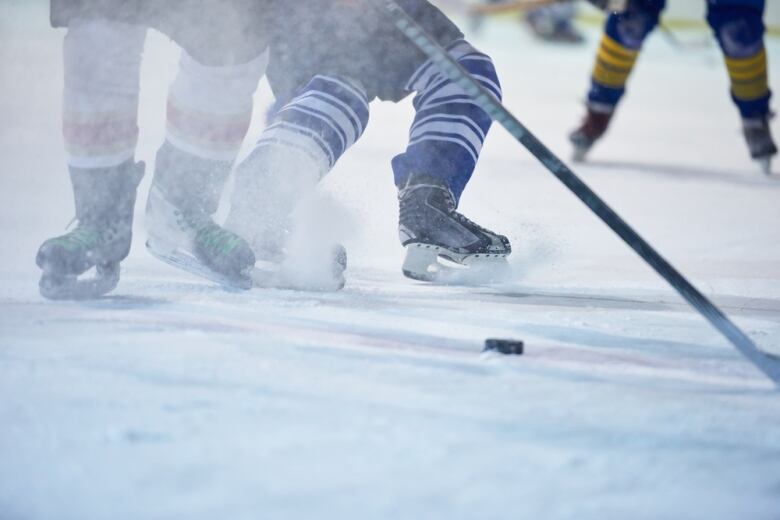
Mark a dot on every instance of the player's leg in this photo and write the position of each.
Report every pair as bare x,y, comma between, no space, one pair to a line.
328,114
208,115
101,72
318,60
303,140
739,29
445,141
209,111
618,50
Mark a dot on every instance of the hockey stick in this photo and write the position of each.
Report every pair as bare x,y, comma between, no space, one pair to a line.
677,43
515,6
767,363
518,6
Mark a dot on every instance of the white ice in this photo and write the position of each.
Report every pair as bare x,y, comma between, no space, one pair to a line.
175,399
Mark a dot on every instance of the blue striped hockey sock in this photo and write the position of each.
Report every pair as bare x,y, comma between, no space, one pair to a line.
449,128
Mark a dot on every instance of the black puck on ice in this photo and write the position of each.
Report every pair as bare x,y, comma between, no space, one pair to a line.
512,347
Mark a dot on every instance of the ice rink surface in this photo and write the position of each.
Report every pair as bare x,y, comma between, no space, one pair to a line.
172,398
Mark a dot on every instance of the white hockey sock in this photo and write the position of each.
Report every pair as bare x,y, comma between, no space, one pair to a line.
210,108
102,62
304,140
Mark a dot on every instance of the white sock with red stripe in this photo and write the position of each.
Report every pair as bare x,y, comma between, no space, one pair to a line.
210,108
102,62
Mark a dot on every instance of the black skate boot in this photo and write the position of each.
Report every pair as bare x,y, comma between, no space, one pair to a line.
759,140
431,230
105,198
592,128
184,195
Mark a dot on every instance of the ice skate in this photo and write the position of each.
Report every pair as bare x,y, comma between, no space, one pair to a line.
591,130
104,199
442,245
271,185
193,242
183,197
760,143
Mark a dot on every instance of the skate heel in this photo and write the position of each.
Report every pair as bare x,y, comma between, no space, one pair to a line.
421,262
71,287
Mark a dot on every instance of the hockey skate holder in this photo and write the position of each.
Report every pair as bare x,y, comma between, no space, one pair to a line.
430,263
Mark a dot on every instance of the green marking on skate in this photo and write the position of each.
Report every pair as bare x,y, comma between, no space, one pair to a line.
216,239
77,238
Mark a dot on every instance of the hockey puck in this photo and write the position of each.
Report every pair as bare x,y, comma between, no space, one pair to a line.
511,347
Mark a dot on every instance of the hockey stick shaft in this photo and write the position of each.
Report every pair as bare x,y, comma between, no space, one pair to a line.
677,43
767,363
510,7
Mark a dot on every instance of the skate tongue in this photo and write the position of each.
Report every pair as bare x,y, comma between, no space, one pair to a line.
421,180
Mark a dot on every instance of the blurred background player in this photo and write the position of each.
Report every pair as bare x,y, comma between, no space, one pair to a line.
209,109
555,22
739,29
550,20
325,68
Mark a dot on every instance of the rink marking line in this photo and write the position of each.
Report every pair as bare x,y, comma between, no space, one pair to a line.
545,355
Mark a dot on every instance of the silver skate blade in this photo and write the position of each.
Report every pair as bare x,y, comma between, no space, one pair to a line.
765,163
476,270
70,287
185,261
264,275
421,262
579,154
428,263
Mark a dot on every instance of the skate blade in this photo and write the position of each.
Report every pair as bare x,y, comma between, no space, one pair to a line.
70,287
433,264
186,261
263,275
765,163
579,154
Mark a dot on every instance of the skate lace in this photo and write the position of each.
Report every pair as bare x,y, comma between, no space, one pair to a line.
79,237
209,235
460,217
450,206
